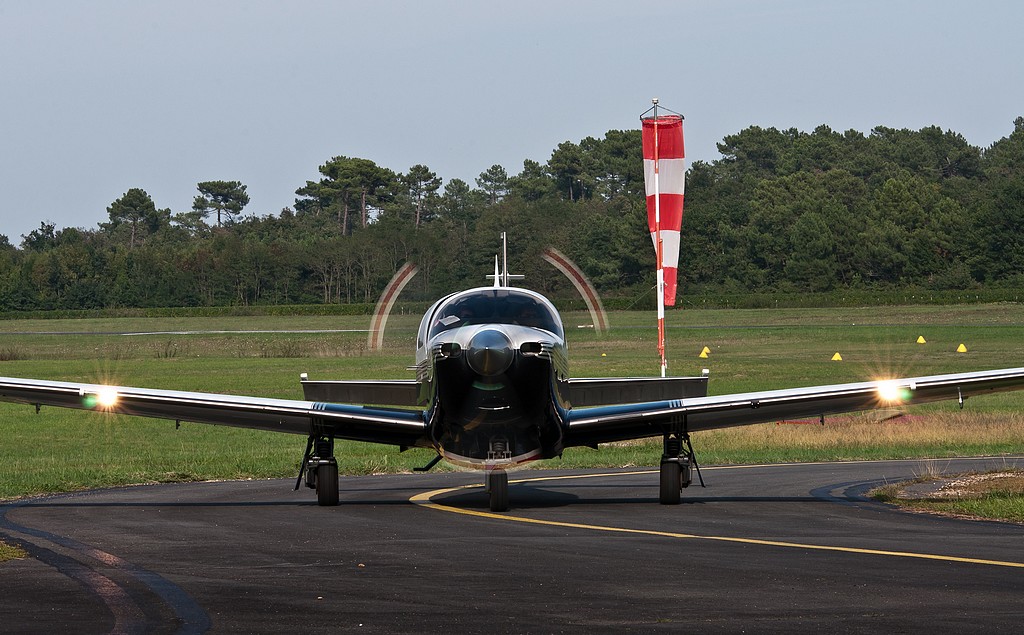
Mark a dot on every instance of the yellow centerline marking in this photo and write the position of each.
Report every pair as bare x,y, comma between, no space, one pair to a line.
423,499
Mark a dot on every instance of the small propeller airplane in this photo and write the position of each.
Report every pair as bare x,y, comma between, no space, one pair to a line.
492,392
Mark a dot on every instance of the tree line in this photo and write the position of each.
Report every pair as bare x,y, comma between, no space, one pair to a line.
780,211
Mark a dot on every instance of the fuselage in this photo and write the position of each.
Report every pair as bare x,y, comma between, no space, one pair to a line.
490,362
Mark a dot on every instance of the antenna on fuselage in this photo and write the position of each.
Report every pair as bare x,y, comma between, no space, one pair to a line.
502,276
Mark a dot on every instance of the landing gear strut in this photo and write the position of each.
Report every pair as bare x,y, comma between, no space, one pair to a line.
321,469
496,481
676,467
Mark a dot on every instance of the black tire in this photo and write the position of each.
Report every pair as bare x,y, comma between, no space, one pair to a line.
498,490
671,483
327,485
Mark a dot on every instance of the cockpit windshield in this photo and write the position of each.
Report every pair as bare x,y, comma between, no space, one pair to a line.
495,306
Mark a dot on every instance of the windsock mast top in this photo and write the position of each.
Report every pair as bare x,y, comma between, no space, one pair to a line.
656,107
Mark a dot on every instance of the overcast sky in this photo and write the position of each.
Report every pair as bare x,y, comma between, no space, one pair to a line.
102,96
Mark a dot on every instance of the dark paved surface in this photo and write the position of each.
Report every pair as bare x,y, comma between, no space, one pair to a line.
256,557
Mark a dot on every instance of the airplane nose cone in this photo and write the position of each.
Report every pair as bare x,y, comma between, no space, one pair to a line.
490,352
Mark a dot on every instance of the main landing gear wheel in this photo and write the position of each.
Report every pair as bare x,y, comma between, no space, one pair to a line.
671,483
497,488
327,484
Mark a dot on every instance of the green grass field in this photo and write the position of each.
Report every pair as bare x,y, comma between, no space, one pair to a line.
61,450
997,496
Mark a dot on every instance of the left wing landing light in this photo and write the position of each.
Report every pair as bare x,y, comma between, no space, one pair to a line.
103,398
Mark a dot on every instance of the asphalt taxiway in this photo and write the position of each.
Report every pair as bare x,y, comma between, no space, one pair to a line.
794,548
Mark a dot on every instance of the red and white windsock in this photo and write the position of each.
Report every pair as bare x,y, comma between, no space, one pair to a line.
664,177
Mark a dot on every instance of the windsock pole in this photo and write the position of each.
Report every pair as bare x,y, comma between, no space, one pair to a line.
660,247
664,217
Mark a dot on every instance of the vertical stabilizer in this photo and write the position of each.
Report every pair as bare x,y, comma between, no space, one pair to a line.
501,275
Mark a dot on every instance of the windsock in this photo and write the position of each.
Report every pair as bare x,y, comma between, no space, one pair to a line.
664,178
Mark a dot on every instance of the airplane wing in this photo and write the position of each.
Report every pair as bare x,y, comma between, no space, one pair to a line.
360,423
590,426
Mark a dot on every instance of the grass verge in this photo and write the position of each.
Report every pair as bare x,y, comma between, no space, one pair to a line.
10,552
988,496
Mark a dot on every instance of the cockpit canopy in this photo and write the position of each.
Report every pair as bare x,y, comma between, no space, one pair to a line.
495,306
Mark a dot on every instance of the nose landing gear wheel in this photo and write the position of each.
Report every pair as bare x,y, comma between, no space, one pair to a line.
497,488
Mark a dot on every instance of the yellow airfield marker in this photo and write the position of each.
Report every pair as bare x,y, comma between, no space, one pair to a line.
920,339
961,349
704,353
604,354
837,357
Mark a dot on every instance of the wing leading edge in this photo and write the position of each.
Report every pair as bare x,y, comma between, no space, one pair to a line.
589,426
360,423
